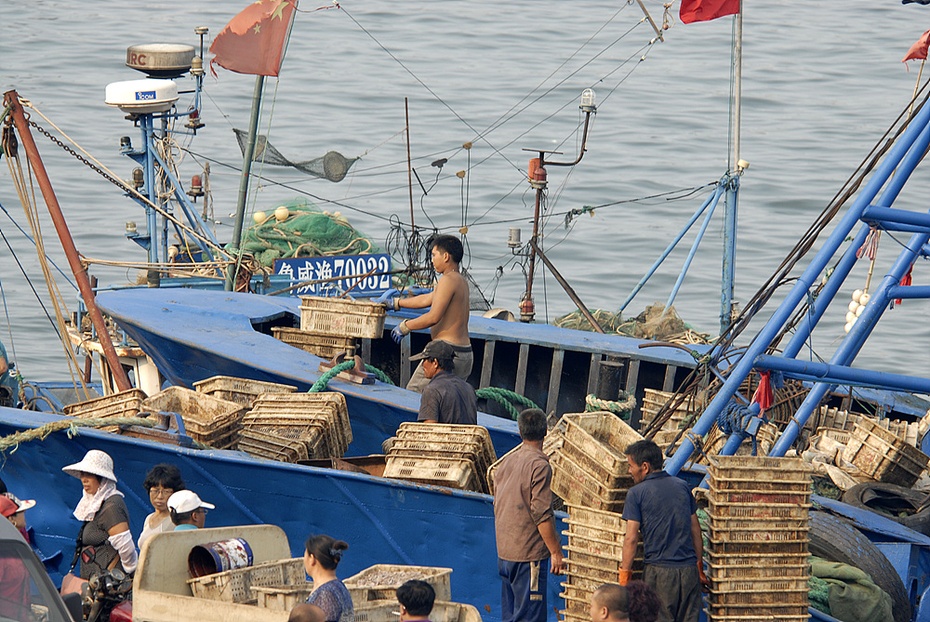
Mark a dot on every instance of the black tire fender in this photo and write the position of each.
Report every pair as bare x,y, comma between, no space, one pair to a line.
890,500
836,540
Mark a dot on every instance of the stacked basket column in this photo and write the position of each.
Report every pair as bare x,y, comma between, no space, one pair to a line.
759,520
595,551
453,455
590,472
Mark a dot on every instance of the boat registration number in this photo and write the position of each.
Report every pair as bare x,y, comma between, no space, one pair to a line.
328,276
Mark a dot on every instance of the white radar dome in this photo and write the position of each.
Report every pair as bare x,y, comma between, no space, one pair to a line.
142,96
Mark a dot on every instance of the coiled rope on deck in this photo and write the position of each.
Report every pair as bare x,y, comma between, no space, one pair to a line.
622,407
506,399
320,384
71,425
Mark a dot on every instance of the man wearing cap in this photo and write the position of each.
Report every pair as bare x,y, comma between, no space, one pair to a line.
187,510
447,398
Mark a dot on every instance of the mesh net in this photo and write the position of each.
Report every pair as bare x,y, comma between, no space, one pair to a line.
653,323
306,232
332,166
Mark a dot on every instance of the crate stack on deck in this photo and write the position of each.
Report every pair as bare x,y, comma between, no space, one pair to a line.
289,427
759,523
451,455
590,473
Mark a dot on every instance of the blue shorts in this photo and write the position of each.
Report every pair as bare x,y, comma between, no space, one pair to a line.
523,590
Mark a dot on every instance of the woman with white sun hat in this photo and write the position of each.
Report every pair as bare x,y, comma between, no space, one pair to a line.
104,540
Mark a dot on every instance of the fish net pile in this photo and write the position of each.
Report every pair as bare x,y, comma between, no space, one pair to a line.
654,323
305,231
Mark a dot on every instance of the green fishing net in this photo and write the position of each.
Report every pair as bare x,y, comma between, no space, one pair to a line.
653,323
306,232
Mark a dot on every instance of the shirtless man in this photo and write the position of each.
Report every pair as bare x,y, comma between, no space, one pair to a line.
447,317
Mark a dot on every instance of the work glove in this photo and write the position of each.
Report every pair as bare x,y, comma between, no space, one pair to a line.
400,331
389,298
625,577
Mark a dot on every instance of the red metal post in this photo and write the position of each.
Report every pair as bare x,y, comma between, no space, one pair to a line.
11,99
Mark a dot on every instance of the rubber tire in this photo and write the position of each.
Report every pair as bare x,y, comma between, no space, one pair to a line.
864,496
834,539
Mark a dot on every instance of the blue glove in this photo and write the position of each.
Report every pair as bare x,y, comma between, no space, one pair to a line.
386,296
400,331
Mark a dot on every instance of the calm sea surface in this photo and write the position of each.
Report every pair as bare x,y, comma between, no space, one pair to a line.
822,81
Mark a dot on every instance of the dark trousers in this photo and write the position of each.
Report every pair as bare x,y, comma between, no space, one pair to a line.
523,590
679,589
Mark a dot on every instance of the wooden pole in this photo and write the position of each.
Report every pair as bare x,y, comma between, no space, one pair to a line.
11,99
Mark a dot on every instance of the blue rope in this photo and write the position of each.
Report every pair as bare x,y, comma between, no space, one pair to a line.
734,419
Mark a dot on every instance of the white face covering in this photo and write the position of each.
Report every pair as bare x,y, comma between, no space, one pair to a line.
90,504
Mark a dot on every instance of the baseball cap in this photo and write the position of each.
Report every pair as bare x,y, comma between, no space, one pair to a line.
8,507
23,504
435,350
184,501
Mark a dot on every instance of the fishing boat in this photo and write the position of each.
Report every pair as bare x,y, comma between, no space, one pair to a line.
187,335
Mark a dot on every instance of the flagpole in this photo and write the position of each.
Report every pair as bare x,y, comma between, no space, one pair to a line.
247,156
734,168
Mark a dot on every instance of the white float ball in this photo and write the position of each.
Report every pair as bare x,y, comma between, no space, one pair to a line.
850,317
853,305
848,326
857,295
860,310
281,213
259,217
864,299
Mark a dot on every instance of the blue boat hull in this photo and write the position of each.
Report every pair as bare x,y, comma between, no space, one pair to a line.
384,521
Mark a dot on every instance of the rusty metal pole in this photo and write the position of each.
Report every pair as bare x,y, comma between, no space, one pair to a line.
11,99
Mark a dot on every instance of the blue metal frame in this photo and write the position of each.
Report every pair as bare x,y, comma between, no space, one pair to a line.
894,171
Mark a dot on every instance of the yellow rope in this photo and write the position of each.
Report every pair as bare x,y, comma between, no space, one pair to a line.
27,196
70,425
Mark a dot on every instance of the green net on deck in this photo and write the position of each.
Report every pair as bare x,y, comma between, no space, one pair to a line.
305,232
653,323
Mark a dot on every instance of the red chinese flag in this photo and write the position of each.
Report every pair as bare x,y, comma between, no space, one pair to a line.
918,51
706,10
253,42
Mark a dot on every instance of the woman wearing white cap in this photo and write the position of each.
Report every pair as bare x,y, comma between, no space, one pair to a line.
104,540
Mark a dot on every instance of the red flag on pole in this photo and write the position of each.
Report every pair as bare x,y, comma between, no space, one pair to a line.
706,10
253,41
918,51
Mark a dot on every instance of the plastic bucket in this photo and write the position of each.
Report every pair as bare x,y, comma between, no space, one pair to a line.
220,556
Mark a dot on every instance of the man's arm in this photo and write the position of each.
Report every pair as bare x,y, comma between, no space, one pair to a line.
420,301
547,531
439,300
630,544
698,540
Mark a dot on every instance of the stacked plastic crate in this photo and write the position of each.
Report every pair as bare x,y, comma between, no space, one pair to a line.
591,473
207,419
451,455
759,519
297,426
595,549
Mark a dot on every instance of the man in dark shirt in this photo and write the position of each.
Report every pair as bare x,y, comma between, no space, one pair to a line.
447,398
661,508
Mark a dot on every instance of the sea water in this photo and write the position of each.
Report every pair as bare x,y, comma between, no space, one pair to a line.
821,83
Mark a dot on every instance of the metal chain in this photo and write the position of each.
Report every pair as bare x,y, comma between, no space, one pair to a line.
117,182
